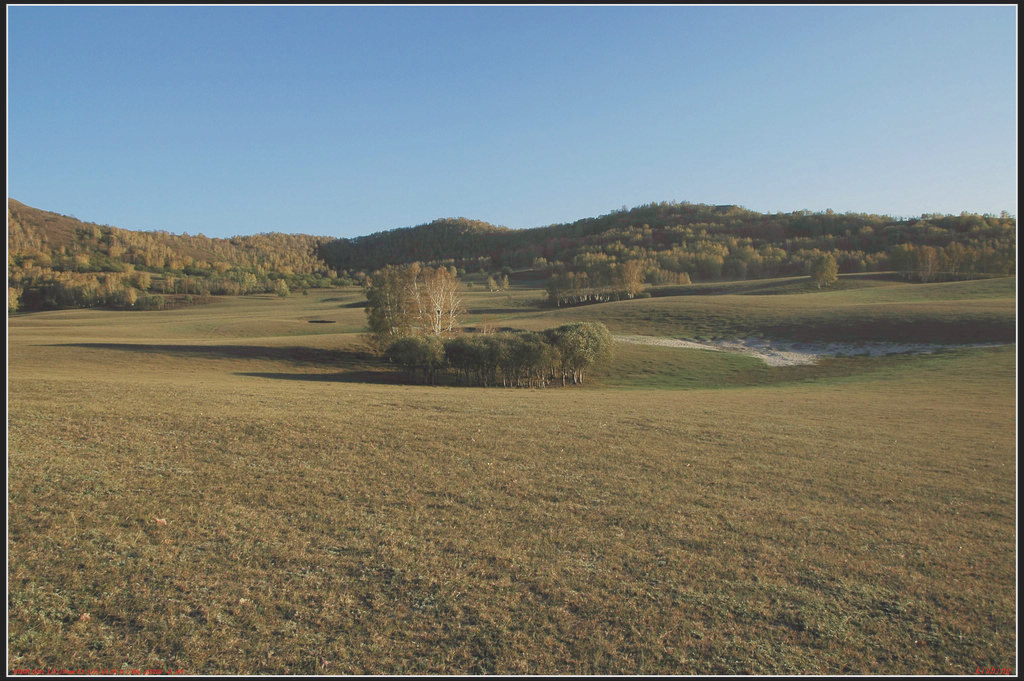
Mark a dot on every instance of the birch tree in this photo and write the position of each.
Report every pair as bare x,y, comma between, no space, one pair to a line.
410,300
442,303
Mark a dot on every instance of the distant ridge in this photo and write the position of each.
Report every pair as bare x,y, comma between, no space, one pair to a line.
669,242
705,241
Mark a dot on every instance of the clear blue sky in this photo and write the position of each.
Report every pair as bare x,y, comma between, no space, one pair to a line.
344,120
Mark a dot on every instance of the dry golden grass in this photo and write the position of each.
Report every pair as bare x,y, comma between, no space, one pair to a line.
319,523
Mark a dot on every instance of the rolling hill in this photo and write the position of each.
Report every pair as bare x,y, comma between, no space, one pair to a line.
59,261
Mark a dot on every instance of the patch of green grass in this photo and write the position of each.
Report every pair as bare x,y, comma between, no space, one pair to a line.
873,286
657,367
648,367
920,313
779,286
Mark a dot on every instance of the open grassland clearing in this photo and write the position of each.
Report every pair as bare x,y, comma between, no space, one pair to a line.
857,516
954,312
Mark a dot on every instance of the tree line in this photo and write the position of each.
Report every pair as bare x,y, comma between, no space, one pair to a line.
599,280
925,263
561,355
57,261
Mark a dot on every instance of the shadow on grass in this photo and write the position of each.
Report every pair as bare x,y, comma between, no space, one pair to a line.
294,354
782,286
502,310
367,376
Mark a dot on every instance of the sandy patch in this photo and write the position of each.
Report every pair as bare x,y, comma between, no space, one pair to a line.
783,353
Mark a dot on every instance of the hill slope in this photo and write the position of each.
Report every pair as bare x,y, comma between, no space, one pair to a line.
59,261
704,242
56,260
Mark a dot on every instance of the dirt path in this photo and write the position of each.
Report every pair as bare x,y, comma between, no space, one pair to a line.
783,353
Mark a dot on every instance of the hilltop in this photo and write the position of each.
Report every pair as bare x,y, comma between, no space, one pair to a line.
704,242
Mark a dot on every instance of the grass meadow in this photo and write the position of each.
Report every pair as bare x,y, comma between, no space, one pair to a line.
240,488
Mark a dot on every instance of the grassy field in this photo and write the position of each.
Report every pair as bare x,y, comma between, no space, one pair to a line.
686,512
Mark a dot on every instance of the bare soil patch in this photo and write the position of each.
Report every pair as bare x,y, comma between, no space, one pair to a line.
784,353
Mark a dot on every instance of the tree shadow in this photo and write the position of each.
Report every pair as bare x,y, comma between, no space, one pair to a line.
355,376
493,329
501,310
293,354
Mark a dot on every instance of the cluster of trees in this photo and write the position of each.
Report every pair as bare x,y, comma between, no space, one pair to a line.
500,283
57,289
925,263
599,279
413,312
412,300
31,287
59,261
525,359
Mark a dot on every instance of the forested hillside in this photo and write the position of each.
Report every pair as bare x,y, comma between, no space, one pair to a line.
59,261
683,242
